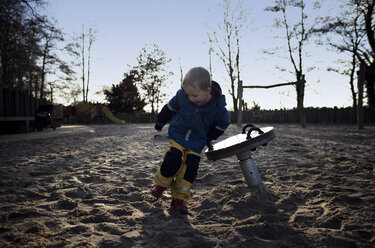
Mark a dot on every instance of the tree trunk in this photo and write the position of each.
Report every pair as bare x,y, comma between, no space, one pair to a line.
300,98
43,73
351,82
91,40
370,75
83,64
370,81
36,88
361,78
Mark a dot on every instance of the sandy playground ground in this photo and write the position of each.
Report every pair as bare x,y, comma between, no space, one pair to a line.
88,186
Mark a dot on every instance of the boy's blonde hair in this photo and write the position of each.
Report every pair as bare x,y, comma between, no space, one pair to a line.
197,77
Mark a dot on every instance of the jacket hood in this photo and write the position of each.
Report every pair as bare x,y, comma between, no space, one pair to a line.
216,89
219,98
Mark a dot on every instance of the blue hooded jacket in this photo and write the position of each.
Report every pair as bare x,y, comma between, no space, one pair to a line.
190,124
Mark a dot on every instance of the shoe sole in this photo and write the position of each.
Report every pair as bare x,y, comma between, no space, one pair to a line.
182,211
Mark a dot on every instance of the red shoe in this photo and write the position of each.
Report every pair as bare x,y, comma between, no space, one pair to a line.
180,206
157,191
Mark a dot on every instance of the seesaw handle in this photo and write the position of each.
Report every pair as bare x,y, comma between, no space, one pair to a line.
253,129
244,128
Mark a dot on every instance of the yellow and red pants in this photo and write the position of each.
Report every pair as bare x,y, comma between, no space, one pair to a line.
178,170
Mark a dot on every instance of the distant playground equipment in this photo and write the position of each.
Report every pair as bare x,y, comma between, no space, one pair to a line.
89,113
241,145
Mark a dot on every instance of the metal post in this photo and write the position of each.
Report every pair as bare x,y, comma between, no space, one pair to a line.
239,111
250,172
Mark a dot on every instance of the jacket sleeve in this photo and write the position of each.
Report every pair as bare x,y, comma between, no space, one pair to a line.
168,111
221,123
164,117
214,133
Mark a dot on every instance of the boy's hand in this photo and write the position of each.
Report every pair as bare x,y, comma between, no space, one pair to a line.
209,145
158,128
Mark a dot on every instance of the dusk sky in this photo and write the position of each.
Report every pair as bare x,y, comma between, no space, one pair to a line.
180,29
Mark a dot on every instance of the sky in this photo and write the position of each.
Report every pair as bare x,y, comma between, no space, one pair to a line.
179,28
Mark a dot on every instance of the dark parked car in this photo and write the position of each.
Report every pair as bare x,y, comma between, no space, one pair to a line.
43,117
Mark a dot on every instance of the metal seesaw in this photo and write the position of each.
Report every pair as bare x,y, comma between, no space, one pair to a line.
242,145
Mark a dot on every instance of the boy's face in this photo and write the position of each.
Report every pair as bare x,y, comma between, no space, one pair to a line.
197,95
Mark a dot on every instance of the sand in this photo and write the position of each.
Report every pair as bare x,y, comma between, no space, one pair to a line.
88,186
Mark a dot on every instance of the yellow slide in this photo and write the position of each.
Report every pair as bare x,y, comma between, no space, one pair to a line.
91,112
110,116
83,107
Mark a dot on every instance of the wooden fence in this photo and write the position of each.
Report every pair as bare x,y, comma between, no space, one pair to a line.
17,109
313,115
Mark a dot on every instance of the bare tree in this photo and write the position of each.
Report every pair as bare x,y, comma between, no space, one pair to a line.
210,50
29,48
296,37
63,82
20,34
78,50
49,59
366,52
92,38
345,35
353,32
181,71
224,41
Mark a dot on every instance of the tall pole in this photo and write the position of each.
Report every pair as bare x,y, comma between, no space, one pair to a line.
301,95
239,112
